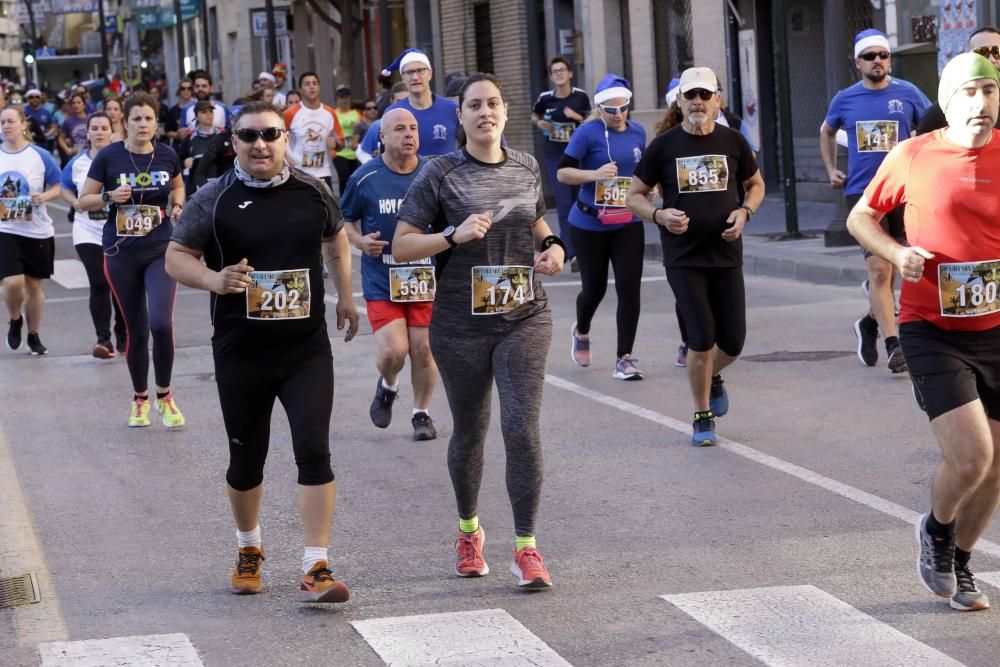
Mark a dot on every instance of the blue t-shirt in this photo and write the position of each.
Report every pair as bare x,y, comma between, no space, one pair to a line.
373,196
436,125
875,121
150,175
591,144
372,143
41,114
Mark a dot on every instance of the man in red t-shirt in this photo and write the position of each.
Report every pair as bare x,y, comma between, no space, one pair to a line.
949,182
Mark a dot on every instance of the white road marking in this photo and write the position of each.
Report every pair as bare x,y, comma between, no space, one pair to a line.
20,553
992,578
802,625
845,490
71,274
173,650
482,637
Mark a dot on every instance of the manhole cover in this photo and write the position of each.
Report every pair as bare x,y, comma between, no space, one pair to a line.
817,355
20,590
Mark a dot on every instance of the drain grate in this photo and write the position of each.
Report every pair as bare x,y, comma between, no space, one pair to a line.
818,355
15,591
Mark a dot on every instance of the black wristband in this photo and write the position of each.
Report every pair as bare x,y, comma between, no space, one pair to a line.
552,240
655,211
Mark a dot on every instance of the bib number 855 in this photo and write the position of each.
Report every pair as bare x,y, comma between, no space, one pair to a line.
280,301
703,177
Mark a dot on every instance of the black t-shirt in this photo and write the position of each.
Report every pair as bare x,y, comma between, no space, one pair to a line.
552,107
699,175
278,230
935,119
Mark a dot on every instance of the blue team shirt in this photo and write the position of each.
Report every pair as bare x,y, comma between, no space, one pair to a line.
150,176
373,197
436,125
372,143
42,115
589,145
875,121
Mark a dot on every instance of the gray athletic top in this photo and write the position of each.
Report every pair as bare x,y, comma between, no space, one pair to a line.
447,191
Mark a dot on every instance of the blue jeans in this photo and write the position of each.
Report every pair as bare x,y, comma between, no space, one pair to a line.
565,196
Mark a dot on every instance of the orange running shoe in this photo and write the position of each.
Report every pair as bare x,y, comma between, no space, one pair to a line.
246,576
469,560
529,568
320,586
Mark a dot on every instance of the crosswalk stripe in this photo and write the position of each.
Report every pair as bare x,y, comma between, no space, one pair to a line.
139,651
992,578
71,274
481,637
802,625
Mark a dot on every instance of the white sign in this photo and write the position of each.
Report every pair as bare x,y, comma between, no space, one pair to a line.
258,23
40,8
748,85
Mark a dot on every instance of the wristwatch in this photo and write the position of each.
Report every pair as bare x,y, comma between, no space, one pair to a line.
449,234
748,210
106,197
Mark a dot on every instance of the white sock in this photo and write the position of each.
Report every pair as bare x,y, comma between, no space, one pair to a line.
417,411
250,538
390,387
311,556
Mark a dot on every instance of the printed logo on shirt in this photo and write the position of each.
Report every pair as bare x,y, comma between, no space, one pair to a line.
505,206
876,136
440,133
702,173
245,204
895,106
389,206
314,146
637,154
15,198
143,179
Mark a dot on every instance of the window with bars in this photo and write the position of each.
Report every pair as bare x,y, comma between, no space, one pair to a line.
484,37
674,46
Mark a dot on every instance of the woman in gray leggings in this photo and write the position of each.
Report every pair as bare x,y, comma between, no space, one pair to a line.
479,211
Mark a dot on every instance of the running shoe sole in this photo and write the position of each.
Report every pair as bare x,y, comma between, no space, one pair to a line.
334,594
920,570
628,378
101,352
978,605
536,584
706,442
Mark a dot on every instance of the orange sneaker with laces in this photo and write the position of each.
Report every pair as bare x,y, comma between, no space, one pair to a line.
320,586
529,568
469,560
246,576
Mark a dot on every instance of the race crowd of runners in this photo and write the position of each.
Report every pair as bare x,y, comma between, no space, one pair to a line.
258,203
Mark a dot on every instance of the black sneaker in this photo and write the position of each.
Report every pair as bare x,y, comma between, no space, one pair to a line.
423,427
121,342
968,597
35,345
897,364
936,561
866,329
14,334
381,408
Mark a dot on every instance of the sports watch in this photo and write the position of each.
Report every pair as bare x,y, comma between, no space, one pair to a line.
748,210
106,197
449,234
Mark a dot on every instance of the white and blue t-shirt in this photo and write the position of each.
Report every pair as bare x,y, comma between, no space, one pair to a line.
437,125
875,121
87,226
373,197
594,145
31,169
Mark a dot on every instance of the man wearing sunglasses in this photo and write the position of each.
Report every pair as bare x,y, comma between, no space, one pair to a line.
877,112
265,230
698,166
985,42
37,111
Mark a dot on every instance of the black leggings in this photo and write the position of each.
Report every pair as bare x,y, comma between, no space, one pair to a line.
101,302
624,249
305,389
711,303
145,294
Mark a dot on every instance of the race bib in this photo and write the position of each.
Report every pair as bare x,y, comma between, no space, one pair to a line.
278,295
876,136
500,289
137,219
969,290
702,173
313,160
561,132
15,209
612,191
408,284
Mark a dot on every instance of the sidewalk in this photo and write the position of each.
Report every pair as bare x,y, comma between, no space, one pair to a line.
765,254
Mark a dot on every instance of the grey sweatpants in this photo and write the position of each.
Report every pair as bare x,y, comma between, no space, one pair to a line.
469,364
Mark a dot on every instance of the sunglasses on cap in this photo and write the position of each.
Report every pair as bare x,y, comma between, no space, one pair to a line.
705,95
988,51
872,55
268,134
614,111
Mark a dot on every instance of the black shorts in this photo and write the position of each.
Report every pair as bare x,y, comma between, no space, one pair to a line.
712,305
892,222
20,255
952,368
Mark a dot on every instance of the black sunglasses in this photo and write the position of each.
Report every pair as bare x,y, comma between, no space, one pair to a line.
371,108
988,51
705,95
268,134
187,87
872,55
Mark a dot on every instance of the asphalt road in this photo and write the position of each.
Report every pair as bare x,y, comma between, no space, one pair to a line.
791,544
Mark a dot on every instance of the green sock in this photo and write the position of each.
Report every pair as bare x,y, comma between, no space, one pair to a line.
468,525
524,541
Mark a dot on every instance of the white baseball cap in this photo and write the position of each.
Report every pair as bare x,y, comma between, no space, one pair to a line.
698,77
